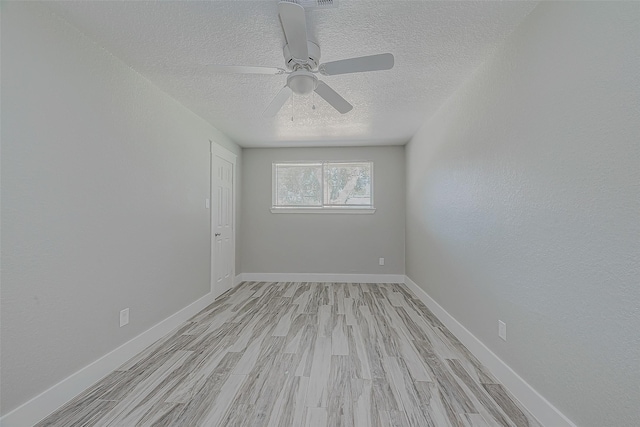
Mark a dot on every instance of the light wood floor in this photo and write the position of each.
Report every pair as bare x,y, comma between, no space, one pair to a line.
302,354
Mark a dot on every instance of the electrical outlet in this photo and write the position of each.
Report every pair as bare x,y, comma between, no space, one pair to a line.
381,261
502,330
124,317
207,203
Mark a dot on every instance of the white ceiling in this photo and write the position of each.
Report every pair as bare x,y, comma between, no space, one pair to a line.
437,45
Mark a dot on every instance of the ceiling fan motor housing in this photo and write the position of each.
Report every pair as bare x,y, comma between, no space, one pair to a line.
302,82
312,62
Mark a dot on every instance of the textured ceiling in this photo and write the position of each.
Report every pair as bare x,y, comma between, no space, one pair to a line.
437,45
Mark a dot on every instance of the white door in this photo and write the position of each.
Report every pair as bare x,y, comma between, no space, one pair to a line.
222,220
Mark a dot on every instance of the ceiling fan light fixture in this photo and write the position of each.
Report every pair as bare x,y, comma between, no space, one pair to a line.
302,82
302,59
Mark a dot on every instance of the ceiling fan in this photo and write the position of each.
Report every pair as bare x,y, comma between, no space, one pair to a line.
302,61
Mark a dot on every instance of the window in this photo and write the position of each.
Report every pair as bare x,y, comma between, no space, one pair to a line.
323,186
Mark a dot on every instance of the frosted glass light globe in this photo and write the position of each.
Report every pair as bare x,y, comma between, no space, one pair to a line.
302,82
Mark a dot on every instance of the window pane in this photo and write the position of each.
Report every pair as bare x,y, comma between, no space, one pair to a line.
348,184
299,185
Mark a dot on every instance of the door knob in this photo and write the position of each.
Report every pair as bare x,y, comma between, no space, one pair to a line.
217,234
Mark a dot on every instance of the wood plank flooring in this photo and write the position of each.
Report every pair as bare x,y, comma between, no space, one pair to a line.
302,354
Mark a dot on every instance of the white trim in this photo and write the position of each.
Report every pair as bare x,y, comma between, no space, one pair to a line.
541,408
237,280
218,150
321,210
321,277
36,409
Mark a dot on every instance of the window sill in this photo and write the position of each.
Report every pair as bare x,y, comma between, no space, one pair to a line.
358,211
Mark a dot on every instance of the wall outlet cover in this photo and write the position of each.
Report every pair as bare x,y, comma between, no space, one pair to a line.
124,317
502,330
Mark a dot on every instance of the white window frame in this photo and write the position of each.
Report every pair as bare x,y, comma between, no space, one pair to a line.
324,209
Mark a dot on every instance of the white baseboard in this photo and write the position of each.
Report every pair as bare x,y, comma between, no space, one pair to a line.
36,409
545,412
321,277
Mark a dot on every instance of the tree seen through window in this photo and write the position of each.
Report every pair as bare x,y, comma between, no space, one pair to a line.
328,184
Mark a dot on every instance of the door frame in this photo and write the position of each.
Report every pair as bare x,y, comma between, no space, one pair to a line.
218,150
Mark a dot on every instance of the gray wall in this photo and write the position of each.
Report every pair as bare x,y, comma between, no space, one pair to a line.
524,205
323,243
104,179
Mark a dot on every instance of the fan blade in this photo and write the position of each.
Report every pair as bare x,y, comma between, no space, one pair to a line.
294,24
383,61
242,69
277,103
332,97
